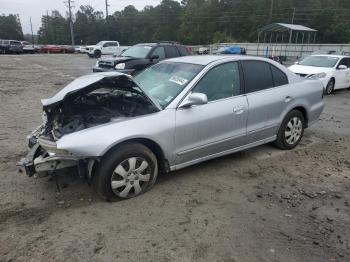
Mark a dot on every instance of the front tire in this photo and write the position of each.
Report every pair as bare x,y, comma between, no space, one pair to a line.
126,172
97,53
291,130
330,87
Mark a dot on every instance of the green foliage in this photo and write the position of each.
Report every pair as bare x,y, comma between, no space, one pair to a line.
199,21
10,27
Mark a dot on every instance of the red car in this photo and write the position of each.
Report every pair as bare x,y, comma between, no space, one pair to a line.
67,49
51,49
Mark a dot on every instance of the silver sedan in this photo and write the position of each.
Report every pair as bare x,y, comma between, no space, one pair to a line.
121,132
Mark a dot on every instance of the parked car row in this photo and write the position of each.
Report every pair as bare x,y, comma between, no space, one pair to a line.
19,47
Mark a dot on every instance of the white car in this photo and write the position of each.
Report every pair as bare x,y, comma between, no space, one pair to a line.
104,48
332,70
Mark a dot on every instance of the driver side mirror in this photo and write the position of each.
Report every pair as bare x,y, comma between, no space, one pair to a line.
153,57
342,67
194,99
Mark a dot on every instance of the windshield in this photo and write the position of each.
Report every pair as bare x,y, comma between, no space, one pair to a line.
165,81
100,43
319,61
137,51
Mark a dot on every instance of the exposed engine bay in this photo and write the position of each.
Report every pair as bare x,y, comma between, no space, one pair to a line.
88,101
107,100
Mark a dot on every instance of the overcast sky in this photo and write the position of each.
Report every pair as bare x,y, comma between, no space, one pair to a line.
36,8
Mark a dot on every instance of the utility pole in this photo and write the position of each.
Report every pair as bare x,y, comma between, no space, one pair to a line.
271,11
31,28
69,5
293,16
47,27
107,5
107,25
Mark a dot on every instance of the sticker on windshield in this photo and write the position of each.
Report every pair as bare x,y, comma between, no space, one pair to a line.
168,99
178,80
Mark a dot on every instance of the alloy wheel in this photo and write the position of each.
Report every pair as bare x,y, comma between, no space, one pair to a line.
293,130
330,87
131,177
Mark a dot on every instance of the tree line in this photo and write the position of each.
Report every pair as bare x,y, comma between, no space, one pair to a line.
10,27
197,21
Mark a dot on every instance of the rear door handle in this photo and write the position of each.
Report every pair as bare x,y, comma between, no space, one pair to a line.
288,99
238,110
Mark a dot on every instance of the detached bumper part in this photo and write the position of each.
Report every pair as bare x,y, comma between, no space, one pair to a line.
52,163
44,157
28,162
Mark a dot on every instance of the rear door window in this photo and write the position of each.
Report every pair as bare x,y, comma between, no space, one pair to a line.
257,76
171,51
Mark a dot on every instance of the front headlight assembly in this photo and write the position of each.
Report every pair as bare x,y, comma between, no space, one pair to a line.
120,66
318,76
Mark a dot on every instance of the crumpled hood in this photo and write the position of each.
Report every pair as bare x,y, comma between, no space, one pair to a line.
309,70
86,81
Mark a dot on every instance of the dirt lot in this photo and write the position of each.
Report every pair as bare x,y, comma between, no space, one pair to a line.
258,205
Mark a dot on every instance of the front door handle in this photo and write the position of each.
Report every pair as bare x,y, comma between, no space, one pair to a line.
288,99
238,110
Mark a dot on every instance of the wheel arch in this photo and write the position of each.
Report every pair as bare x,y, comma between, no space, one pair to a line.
304,112
163,163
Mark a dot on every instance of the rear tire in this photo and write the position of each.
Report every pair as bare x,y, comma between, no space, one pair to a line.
291,130
126,172
330,87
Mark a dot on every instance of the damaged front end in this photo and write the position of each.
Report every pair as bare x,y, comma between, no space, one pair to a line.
87,102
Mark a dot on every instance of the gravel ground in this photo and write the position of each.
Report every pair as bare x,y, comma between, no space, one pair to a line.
258,205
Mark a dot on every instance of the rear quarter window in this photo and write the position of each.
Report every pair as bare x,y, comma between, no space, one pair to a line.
279,77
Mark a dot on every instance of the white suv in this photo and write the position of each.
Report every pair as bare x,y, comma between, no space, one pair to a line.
103,48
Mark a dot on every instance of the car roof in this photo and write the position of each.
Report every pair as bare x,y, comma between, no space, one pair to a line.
207,59
331,55
107,41
160,43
